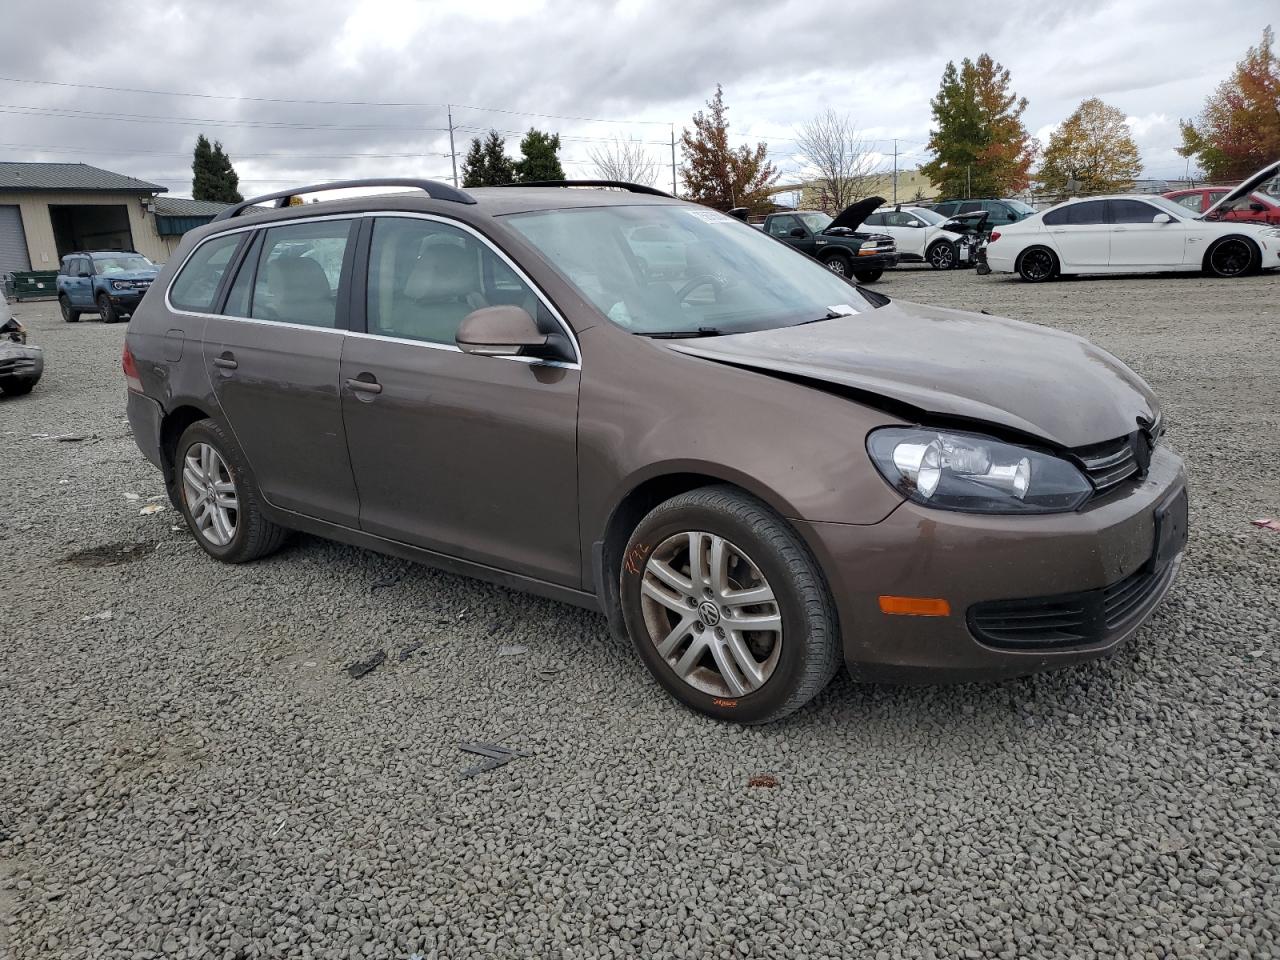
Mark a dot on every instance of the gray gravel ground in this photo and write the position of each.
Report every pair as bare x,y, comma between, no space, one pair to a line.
187,770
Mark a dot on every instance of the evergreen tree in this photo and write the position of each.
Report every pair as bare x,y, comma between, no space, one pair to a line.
1094,148
1238,130
212,175
538,157
487,164
718,175
980,146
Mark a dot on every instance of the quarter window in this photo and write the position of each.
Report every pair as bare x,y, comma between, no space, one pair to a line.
196,286
426,276
299,267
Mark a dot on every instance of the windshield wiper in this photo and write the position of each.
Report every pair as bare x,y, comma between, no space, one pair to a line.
681,334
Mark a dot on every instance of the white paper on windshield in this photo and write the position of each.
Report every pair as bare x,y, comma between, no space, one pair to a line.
843,309
710,216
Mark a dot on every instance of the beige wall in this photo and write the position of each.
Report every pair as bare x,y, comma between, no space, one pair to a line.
38,225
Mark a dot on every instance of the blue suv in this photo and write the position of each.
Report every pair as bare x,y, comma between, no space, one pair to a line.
109,282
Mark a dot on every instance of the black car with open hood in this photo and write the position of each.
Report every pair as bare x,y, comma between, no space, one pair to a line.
836,241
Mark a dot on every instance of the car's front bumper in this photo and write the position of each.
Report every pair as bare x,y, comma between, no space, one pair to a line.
126,300
20,364
970,559
875,261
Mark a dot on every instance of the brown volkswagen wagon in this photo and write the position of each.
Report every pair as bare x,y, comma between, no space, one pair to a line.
753,467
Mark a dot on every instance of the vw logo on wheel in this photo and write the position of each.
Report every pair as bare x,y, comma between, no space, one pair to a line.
709,613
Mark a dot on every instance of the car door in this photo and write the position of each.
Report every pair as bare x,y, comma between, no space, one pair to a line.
789,229
1081,234
273,356
80,283
909,232
1138,242
471,456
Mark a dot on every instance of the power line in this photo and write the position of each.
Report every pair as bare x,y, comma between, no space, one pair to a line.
153,118
50,148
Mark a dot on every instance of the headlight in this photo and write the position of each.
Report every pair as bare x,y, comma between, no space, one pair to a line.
965,471
121,285
868,245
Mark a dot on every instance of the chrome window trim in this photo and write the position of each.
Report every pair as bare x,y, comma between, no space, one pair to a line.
576,364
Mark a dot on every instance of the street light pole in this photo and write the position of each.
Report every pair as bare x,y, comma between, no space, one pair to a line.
453,153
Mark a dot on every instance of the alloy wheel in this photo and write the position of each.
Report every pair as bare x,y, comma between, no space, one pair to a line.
1231,258
1037,264
942,256
837,266
711,614
210,494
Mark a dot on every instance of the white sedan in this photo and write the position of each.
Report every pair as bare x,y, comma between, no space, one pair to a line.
1135,234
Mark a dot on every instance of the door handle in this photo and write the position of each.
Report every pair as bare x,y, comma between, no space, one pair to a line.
226,361
361,385
1121,229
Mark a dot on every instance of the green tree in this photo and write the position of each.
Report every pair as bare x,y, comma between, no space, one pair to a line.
538,157
487,164
1093,147
212,175
1238,130
980,145
721,176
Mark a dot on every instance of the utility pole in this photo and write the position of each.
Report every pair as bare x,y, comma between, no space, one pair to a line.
673,159
453,153
968,180
895,171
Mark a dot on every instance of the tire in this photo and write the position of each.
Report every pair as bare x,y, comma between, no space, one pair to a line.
1232,257
17,389
941,255
839,264
1037,264
69,313
252,535
107,309
868,276
791,663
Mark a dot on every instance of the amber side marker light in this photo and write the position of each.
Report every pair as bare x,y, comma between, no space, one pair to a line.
915,606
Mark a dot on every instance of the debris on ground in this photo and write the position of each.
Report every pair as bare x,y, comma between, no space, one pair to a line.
131,497
1267,524
150,508
512,650
104,615
495,756
409,651
383,584
111,554
362,667
763,780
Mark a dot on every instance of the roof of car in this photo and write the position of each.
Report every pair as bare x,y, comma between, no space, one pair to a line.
100,253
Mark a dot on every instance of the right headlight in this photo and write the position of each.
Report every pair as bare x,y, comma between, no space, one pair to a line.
976,474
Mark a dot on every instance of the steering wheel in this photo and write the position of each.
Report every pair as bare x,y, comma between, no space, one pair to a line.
699,281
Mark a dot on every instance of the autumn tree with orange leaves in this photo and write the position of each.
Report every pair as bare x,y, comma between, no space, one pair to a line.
718,175
980,146
1238,131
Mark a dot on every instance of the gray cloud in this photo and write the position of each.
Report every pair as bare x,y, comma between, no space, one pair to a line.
779,62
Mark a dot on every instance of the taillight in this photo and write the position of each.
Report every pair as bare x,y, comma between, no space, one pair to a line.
131,378
995,235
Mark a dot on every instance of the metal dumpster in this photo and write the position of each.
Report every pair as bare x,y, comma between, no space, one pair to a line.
31,284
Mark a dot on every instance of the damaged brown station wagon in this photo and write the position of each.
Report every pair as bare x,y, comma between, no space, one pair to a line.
753,467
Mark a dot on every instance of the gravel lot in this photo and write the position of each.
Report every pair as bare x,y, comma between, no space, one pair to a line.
188,770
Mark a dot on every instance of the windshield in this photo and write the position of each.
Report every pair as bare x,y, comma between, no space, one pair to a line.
710,273
931,217
106,266
1023,209
816,222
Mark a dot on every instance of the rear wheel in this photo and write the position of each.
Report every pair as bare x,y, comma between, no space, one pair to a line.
219,498
69,313
1232,257
107,309
727,608
1037,265
17,389
839,265
941,255
868,276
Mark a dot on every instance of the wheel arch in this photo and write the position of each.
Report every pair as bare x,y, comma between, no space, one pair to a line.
1038,245
172,426
1218,241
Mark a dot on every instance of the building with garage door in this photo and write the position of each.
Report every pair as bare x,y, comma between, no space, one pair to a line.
176,215
50,209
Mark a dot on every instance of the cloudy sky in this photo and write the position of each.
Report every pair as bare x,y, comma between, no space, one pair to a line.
383,71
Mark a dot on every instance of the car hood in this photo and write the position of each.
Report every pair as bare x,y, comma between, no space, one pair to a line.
1245,187
1038,381
853,215
132,275
967,222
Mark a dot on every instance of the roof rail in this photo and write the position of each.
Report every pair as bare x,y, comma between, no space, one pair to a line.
433,189
619,184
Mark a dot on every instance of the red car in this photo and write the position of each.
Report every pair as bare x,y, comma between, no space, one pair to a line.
1259,208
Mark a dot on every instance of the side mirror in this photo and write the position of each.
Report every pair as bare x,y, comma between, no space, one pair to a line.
1162,218
498,332
798,232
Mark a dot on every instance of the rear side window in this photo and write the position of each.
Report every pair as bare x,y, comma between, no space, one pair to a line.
196,287
1087,214
299,267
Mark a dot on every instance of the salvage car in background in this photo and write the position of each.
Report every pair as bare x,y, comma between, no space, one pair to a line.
752,468
109,282
1135,234
924,235
999,211
21,364
1258,207
837,242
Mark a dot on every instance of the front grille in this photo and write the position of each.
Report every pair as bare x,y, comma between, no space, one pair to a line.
1069,619
16,365
1111,463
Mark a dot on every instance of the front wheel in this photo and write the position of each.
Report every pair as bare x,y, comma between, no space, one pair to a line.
839,265
1232,257
868,276
69,313
727,608
107,309
218,497
942,255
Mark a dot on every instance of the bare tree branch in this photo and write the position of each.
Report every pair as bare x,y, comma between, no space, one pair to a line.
841,160
625,160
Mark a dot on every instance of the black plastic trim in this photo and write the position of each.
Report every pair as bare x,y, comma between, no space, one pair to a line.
433,189
617,184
